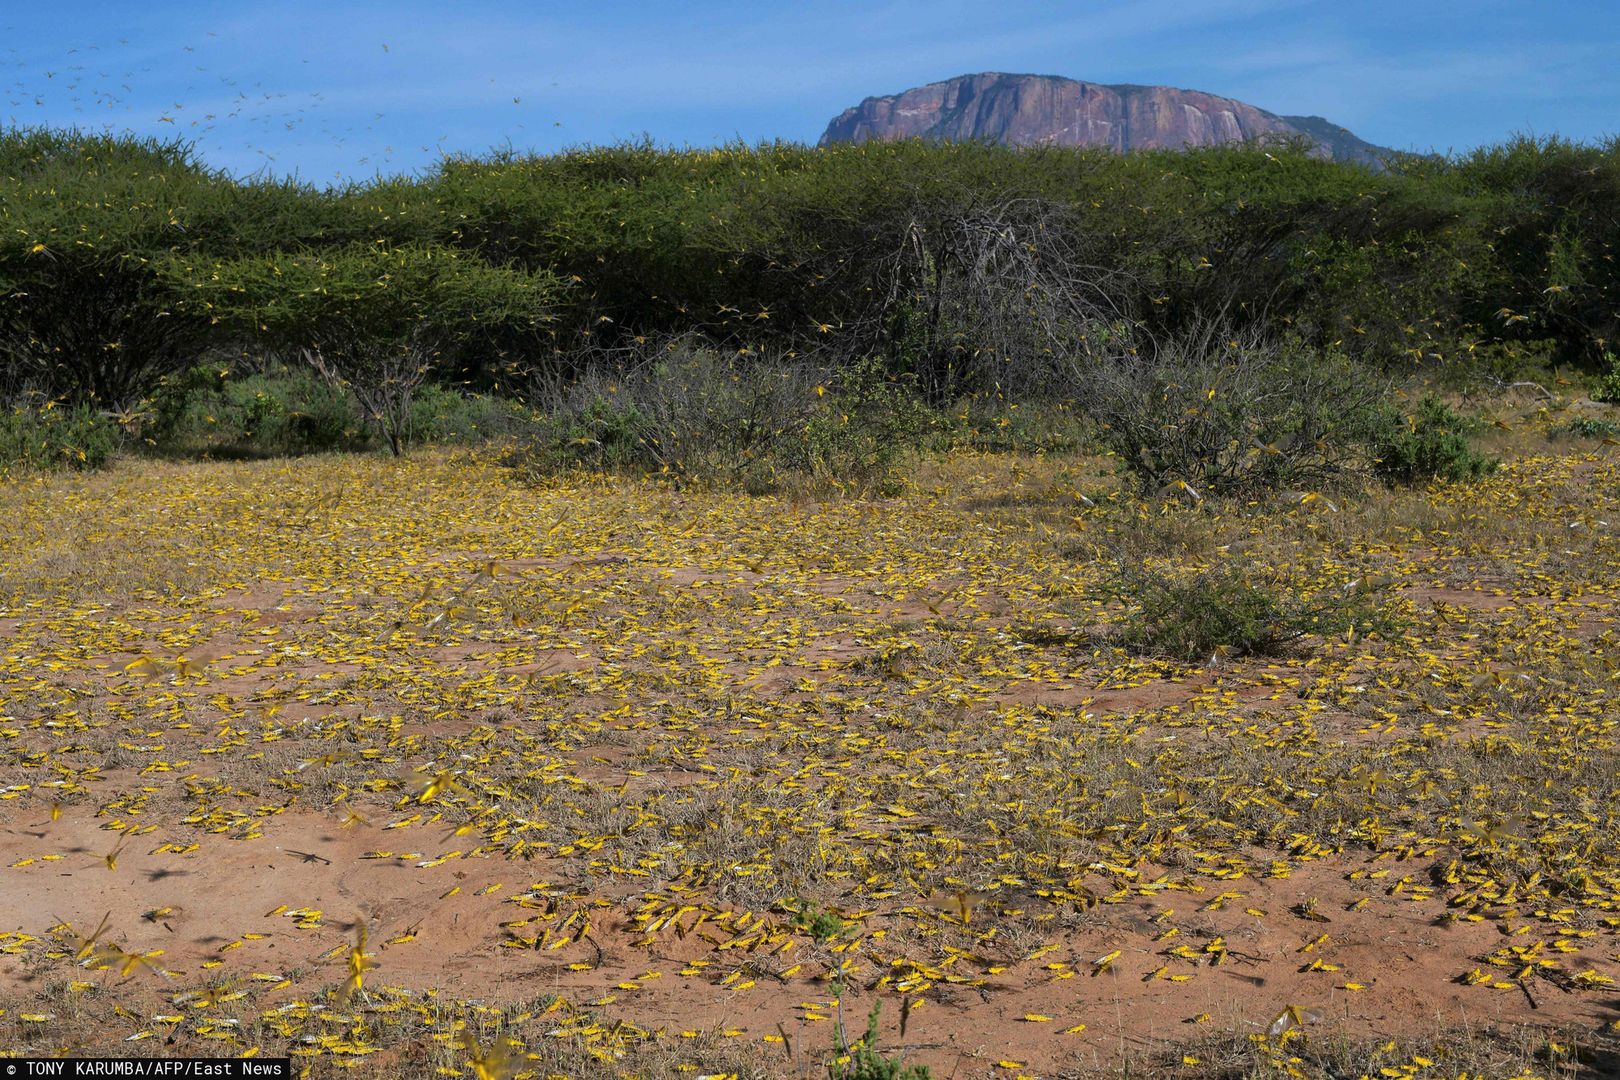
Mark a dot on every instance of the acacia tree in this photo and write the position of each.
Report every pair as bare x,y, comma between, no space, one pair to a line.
83,217
376,320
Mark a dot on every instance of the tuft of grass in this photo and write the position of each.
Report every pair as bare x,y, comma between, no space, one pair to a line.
1462,1052
1231,610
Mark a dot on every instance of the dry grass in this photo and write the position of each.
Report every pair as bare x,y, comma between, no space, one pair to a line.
1475,1051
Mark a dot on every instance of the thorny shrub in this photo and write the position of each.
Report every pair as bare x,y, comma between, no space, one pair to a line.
1229,412
697,417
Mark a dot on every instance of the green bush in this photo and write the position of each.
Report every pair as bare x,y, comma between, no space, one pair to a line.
52,435
307,416
1229,609
596,430
291,411
87,220
1608,387
1553,272
1431,443
683,412
997,425
1587,427
441,415
860,431
212,409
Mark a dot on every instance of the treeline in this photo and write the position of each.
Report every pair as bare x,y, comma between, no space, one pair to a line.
960,269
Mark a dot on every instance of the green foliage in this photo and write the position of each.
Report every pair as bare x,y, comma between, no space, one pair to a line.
1588,427
1431,443
887,245
688,414
212,409
997,425
822,926
861,1060
83,317
348,299
441,415
593,430
1608,388
1491,365
1230,609
1554,242
973,270
51,435
865,426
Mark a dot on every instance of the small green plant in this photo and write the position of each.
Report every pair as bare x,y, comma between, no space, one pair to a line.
822,926
51,435
1608,387
863,429
861,1059
1587,427
1231,610
1433,443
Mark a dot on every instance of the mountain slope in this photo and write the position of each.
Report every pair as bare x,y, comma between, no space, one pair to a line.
1034,110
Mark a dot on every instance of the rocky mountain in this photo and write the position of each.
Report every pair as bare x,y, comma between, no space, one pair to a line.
1034,110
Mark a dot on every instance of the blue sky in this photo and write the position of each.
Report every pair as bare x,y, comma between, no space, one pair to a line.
330,90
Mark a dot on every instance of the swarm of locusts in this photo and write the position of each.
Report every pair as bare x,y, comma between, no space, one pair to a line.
408,769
